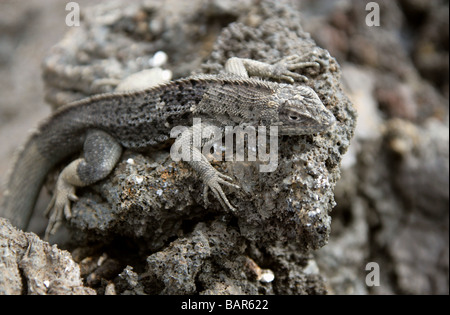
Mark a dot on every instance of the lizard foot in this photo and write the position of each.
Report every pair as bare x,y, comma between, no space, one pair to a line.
282,70
59,206
212,181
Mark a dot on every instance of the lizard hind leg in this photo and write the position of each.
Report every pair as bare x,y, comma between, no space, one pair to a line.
100,154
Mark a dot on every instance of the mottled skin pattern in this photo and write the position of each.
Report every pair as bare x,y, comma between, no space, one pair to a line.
101,126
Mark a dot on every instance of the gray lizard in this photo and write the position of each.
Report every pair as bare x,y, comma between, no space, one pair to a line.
102,125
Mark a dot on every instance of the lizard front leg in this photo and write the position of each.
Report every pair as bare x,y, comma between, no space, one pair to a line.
281,70
100,154
212,178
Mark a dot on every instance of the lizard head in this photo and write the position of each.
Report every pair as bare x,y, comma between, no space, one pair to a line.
300,111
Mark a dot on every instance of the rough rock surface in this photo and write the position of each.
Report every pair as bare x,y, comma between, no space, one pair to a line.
29,265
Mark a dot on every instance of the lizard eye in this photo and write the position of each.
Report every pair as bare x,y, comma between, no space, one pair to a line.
294,118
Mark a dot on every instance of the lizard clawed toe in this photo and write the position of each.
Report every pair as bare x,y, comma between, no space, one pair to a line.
283,70
213,182
59,207
295,62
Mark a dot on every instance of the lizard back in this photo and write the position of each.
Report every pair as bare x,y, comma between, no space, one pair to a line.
139,120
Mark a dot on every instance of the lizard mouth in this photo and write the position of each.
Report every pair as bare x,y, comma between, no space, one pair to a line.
303,129
292,131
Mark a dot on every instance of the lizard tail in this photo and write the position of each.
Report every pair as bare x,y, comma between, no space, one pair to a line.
24,184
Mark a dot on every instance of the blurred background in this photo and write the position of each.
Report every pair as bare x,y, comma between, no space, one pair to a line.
394,192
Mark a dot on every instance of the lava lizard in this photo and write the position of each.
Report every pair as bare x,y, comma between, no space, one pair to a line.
102,125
